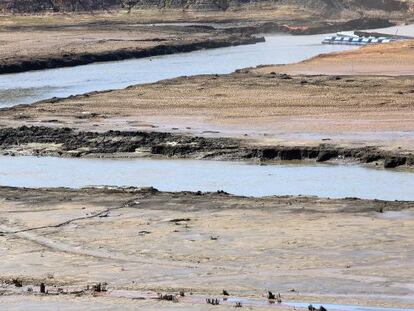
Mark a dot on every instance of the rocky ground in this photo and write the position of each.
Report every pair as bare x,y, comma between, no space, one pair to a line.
138,243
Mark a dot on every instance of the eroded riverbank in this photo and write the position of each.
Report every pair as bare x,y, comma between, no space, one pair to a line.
258,104
53,43
308,249
46,141
148,49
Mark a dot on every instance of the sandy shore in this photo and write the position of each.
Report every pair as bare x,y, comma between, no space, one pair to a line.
393,59
269,108
267,114
61,40
143,242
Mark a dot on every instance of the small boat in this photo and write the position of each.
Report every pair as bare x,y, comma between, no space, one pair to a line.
349,38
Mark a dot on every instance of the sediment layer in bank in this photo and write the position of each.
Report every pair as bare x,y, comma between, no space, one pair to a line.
46,141
270,107
147,48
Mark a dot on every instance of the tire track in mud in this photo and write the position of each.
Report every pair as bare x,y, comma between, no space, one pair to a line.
26,234
229,270
78,250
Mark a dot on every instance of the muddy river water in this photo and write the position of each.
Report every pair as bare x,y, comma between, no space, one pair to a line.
24,88
28,87
172,175
334,181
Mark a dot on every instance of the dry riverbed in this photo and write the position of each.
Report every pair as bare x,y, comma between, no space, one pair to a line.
122,248
144,242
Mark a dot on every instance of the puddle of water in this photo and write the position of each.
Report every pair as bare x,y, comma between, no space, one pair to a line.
397,215
337,307
251,302
302,305
32,86
323,180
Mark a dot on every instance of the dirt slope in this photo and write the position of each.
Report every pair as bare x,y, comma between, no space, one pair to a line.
323,6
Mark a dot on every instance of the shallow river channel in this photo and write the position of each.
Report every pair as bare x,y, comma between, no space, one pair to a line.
28,87
334,181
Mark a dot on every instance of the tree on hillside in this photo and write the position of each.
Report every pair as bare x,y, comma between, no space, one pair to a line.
129,4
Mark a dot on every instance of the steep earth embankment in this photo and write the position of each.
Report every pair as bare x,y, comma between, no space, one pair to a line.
45,141
321,6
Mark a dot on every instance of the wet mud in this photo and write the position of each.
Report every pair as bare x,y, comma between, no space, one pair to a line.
135,246
46,141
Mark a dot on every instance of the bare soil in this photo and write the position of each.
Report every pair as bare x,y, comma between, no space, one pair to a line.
268,108
60,40
46,141
141,243
392,59
219,10
144,242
